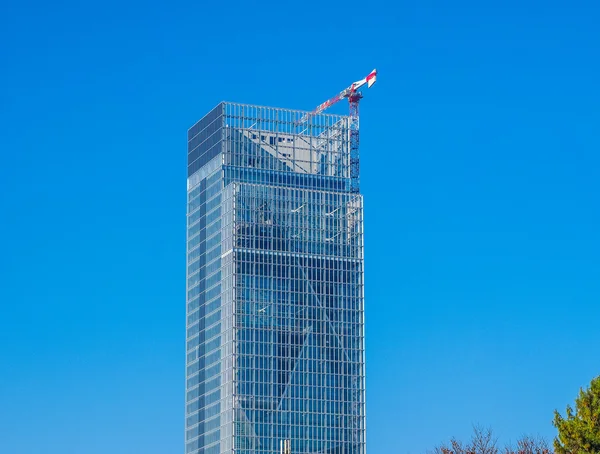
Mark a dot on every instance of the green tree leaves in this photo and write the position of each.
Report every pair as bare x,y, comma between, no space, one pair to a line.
579,431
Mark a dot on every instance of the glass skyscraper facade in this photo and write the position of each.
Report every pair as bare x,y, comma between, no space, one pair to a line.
275,319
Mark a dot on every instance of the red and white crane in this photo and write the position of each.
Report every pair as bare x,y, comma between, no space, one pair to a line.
354,96
351,93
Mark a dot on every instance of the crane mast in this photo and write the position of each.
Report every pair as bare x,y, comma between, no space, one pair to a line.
354,96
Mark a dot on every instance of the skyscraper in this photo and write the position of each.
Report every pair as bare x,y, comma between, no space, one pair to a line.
275,321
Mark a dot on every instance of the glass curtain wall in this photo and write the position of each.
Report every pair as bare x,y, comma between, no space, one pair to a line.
275,334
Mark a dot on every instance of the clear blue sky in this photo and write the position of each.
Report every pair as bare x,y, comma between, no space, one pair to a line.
480,169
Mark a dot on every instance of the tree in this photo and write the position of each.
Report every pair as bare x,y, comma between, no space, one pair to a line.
529,445
483,442
579,432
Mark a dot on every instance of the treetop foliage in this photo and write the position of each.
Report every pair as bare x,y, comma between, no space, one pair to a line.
579,431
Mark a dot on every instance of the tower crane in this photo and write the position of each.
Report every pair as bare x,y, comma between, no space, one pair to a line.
353,96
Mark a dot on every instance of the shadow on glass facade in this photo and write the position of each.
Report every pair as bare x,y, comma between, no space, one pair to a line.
275,342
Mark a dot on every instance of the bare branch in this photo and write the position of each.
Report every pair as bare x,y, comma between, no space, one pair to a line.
483,441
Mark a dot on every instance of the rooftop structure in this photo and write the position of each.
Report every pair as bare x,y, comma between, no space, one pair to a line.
275,308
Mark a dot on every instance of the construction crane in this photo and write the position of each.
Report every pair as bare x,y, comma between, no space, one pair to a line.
354,96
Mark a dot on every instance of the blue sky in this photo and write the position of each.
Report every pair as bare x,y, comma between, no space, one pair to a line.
479,167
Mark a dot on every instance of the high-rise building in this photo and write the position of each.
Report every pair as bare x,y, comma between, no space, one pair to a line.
275,321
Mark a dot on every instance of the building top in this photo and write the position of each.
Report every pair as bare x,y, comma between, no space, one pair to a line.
271,139
269,115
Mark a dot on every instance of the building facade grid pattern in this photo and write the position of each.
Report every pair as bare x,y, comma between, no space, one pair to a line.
275,307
